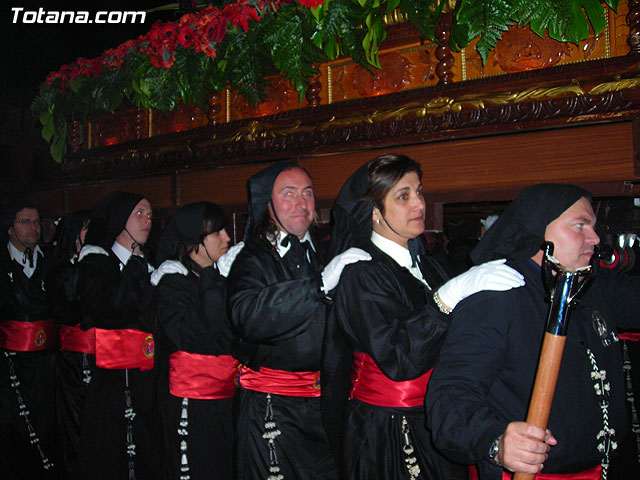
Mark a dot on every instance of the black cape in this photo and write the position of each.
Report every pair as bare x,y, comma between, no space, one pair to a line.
487,367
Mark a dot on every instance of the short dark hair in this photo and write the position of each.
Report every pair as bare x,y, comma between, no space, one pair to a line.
384,172
213,220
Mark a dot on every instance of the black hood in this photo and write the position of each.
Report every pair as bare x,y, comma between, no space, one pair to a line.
352,222
351,215
259,188
186,226
109,217
519,232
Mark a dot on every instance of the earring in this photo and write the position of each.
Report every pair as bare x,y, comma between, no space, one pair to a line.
378,221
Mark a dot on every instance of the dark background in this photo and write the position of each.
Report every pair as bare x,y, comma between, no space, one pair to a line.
31,51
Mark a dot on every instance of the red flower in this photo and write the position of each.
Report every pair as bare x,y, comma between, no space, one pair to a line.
240,13
186,37
310,3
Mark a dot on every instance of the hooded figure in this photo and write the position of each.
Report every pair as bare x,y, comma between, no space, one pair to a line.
259,188
390,336
109,218
116,297
75,360
479,393
277,312
196,372
518,234
28,339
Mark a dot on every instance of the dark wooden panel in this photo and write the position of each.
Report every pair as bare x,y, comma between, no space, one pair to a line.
156,189
587,154
224,186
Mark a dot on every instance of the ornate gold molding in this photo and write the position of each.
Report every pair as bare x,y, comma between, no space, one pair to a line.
258,129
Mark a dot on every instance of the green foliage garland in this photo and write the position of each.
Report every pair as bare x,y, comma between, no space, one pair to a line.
240,43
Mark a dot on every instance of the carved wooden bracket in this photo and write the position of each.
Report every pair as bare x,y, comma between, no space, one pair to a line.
443,51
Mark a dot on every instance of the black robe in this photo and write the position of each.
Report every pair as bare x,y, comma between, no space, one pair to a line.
382,310
487,366
73,369
190,313
278,317
24,299
114,299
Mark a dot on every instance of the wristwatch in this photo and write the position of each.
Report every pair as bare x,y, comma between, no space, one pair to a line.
493,452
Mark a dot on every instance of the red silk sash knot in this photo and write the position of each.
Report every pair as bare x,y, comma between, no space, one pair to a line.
74,339
28,336
281,382
121,349
206,377
370,385
594,473
634,337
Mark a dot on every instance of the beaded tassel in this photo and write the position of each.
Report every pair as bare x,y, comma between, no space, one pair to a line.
271,432
411,462
607,436
129,416
86,371
24,413
184,432
635,423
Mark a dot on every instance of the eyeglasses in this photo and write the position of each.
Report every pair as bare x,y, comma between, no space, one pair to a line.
25,222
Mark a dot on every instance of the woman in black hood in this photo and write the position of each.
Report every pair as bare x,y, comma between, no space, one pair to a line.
196,377
119,435
75,361
389,339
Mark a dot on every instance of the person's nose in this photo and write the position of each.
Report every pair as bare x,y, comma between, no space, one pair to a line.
592,237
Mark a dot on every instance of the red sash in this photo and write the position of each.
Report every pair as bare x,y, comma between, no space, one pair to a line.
27,336
281,382
120,349
634,337
208,377
594,473
74,339
370,385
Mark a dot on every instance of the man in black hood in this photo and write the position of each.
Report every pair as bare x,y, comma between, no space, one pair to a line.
118,438
27,354
276,292
479,393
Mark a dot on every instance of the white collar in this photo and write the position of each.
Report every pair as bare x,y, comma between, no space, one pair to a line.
282,250
399,254
19,257
121,252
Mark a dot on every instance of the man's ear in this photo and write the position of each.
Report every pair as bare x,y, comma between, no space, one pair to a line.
10,231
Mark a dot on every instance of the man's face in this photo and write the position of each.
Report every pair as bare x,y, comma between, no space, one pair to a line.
573,235
26,229
139,222
294,201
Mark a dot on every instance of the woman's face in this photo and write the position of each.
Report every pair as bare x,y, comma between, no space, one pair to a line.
211,249
404,210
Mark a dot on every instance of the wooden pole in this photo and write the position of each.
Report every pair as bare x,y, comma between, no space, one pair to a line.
544,386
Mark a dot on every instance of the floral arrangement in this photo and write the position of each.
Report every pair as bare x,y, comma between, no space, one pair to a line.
237,44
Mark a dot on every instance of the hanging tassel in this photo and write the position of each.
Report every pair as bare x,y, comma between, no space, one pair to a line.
24,413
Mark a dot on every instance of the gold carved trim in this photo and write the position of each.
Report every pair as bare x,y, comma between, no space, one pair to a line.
258,129
329,85
615,86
